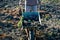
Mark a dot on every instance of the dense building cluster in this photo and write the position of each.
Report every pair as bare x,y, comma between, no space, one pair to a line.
8,3
10,16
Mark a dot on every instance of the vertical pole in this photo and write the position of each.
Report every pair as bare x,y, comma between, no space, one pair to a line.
39,18
31,35
25,5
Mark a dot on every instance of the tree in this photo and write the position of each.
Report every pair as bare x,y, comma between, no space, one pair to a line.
20,23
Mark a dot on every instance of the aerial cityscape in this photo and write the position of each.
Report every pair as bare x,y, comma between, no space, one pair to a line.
29,19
